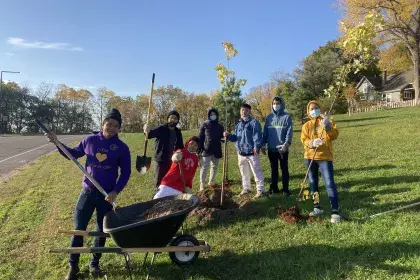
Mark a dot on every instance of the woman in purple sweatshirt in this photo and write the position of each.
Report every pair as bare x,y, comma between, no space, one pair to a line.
105,153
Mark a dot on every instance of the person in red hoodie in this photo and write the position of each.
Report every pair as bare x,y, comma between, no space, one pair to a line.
187,160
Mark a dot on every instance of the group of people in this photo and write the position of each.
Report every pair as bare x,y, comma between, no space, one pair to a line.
176,162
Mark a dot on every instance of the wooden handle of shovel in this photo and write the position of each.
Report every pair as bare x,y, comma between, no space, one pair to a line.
148,113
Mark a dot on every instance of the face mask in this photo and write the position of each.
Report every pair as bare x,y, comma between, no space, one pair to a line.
276,107
213,117
315,113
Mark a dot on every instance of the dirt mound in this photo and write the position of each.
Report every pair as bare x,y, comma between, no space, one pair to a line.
211,198
292,215
211,209
166,207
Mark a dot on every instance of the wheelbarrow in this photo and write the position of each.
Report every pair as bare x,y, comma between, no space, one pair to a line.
132,234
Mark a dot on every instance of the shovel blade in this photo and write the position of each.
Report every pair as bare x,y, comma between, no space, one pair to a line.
143,164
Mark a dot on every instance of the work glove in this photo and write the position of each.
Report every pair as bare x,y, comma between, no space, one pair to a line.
283,148
326,122
315,143
176,157
146,128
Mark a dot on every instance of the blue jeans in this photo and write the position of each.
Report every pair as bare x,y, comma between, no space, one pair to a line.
327,171
89,200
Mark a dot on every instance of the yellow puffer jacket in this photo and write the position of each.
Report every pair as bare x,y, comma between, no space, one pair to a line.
312,130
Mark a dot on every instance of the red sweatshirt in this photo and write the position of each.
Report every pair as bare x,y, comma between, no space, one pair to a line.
173,179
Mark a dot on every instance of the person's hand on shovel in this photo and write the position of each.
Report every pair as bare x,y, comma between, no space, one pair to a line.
111,197
52,138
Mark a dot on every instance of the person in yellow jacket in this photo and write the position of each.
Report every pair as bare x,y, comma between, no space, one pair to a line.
317,136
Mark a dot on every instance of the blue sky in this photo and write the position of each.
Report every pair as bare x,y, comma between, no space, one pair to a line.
119,44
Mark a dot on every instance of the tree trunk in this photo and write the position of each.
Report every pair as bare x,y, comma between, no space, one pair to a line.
416,85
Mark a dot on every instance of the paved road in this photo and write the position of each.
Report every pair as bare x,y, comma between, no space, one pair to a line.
16,151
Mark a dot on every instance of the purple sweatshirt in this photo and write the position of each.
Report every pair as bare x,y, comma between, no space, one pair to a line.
103,157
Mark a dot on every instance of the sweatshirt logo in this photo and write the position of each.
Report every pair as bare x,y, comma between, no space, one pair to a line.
113,147
189,163
101,157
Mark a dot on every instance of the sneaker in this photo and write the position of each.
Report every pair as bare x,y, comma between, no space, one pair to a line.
73,273
316,212
96,271
244,192
259,194
335,218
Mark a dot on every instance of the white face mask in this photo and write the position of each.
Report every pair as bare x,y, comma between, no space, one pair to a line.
276,107
315,113
213,117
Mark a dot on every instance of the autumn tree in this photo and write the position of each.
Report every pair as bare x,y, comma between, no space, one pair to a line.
400,25
395,59
229,100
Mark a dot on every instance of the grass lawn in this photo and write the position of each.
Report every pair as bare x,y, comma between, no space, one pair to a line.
376,169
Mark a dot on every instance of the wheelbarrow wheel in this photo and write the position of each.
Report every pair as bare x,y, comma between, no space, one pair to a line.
183,258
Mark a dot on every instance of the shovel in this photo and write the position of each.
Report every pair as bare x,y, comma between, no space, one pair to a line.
143,162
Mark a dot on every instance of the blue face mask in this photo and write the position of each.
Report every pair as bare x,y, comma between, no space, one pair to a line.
315,113
213,117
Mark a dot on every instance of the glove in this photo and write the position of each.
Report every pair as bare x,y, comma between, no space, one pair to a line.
146,128
283,148
326,122
176,157
315,143
187,190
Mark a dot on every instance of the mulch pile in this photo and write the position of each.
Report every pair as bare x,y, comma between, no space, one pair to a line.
166,207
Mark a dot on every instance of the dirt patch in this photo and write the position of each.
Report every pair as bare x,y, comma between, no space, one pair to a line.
292,215
211,208
166,207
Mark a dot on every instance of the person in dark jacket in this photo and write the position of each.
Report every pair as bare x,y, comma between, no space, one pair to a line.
105,154
168,139
210,135
278,133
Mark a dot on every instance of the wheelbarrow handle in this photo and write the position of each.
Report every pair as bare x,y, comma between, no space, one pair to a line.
69,156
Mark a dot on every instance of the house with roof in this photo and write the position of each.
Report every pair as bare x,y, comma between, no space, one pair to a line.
395,88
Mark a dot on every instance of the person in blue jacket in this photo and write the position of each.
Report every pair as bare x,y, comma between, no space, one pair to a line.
248,138
277,135
168,139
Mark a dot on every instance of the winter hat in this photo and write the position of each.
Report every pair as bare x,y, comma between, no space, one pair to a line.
115,115
173,112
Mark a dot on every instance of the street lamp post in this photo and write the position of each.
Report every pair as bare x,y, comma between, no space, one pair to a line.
4,117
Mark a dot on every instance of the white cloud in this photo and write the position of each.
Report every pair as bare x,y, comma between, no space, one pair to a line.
42,45
9,54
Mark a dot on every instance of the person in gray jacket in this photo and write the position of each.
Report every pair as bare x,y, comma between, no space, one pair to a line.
278,132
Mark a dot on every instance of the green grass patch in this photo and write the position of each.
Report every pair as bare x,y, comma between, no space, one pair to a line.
376,169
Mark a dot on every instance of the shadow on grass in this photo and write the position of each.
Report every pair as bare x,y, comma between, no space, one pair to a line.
351,120
313,261
380,181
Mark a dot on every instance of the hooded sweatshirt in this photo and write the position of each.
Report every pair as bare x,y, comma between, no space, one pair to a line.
189,163
278,127
311,130
210,135
103,157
